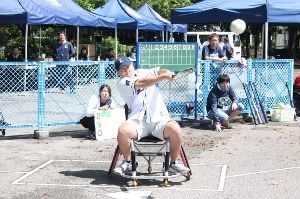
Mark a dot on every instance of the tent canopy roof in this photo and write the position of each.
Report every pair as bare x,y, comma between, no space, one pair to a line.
11,12
150,13
254,11
66,12
126,17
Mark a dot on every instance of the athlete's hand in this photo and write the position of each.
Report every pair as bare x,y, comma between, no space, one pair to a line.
165,74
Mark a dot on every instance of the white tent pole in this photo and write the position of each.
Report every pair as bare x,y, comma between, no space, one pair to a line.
185,37
116,40
26,42
137,35
172,38
77,43
163,35
167,36
266,39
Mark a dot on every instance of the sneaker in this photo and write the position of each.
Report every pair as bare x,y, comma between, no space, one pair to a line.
179,169
123,168
92,135
226,125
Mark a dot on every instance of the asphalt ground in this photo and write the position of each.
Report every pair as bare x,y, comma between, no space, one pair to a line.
249,161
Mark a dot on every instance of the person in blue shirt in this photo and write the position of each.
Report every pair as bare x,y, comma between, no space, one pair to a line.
227,49
63,51
222,103
212,51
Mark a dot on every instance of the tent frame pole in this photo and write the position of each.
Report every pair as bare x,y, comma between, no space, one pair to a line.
266,40
77,43
116,41
26,42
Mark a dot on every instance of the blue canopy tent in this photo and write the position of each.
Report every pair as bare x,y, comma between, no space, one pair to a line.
127,18
216,11
283,11
150,13
62,12
255,11
40,12
11,12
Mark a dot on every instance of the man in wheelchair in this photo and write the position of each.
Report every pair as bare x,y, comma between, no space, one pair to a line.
148,114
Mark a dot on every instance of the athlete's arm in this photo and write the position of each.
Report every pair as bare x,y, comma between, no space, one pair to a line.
161,74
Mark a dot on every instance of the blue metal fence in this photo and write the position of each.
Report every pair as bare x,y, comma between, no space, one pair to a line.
42,94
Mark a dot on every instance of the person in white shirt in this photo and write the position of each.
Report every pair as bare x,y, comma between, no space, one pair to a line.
96,102
148,114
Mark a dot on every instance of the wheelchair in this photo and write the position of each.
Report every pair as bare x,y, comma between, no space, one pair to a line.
141,148
137,150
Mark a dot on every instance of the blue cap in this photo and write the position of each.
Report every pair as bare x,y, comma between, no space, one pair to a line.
122,62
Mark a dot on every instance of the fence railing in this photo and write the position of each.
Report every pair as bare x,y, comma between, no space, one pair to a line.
43,94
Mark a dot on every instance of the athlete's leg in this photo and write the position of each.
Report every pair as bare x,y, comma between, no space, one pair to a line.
172,131
126,132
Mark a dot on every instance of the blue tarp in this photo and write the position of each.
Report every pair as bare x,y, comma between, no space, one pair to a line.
283,11
126,17
150,13
215,11
11,12
64,12
254,11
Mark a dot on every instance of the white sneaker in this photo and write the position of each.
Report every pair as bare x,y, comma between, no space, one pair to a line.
123,168
178,169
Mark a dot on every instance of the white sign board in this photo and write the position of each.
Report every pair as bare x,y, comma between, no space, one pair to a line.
107,123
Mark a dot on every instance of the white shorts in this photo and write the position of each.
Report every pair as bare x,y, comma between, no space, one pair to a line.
144,129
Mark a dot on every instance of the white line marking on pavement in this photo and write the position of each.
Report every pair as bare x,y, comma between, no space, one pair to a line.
222,178
101,161
260,172
32,172
115,186
18,181
13,171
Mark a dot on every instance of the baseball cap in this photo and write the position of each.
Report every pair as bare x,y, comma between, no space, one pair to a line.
121,62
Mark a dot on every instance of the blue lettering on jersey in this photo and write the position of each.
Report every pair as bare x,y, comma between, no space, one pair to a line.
127,82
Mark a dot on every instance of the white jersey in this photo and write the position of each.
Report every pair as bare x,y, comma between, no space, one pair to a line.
145,101
92,106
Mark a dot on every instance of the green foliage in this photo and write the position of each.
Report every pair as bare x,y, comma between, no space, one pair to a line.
90,4
162,7
110,42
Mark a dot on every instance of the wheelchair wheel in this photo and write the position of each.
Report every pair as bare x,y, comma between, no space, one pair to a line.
165,182
134,182
3,132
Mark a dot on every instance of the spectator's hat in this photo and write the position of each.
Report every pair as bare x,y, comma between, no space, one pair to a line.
121,62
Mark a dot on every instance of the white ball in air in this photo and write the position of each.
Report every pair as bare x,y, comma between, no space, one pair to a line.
238,26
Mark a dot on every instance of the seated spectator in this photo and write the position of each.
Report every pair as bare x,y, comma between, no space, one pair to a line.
15,55
110,55
132,53
83,54
222,104
96,102
228,50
